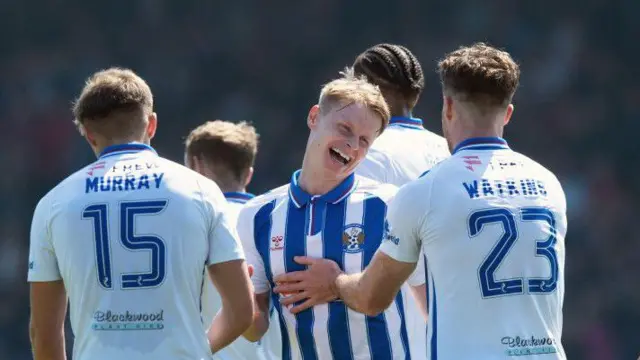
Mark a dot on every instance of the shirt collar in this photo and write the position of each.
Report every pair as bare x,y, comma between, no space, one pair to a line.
335,195
128,148
482,143
408,122
239,197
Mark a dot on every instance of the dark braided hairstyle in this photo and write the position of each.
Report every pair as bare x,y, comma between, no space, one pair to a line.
394,68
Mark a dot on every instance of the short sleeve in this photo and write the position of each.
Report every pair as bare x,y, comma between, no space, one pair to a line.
43,263
224,244
404,220
246,220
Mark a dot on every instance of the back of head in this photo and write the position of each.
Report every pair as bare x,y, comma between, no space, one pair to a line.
396,70
351,89
481,76
114,104
228,148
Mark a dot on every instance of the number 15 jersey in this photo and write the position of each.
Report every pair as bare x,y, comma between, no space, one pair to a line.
492,224
131,237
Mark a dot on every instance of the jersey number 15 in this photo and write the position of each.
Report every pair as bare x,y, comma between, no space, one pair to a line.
156,247
489,286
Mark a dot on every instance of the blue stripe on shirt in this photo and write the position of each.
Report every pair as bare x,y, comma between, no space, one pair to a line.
295,245
433,314
374,214
262,223
338,322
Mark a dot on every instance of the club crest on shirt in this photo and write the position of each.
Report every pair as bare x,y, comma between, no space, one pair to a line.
353,238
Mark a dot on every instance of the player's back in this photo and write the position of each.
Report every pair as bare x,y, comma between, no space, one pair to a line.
400,155
493,235
403,152
131,236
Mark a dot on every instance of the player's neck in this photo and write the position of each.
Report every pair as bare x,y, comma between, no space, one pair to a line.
99,146
465,133
233,189
316,182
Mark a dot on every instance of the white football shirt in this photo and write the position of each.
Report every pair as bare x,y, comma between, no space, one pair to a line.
401,154
492,223
241,348
131,236
346,225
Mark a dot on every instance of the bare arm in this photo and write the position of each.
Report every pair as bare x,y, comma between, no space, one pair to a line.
420,294
373,290
46,329
369,292
231,279
260,323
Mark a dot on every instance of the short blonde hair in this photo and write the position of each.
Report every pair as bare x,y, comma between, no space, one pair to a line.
111,92
225,143
350,89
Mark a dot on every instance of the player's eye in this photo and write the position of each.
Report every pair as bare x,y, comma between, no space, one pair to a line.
344,129
364,142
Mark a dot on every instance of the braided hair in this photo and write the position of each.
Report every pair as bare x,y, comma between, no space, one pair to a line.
395,69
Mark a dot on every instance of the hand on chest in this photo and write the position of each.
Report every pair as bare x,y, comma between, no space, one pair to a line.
347,233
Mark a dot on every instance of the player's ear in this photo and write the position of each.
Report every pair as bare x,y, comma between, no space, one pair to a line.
152,125
507,115
249,177
312,118
448,107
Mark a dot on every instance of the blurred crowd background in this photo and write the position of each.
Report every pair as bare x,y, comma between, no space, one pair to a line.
577,111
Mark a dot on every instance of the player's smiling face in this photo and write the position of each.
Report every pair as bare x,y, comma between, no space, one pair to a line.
342,136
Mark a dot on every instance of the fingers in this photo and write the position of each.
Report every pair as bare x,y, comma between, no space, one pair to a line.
302,307
304,260
287,288
290,277
293,298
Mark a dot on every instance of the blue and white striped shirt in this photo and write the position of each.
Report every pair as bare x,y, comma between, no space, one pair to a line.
345,225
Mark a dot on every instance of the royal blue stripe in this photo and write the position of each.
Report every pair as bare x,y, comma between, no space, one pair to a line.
408,121
262,223
481,147
407,126
286,343
134,147
295,245
481,141
338,323
373,223
426,279
403,330
433,317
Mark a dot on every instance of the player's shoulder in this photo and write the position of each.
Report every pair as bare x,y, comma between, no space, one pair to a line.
536,167
66,189
251,207
371,187
188,178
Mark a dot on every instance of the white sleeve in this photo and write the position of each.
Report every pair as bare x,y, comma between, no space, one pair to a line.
418,276
402,234
43,263
373,166
245,231
224,244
